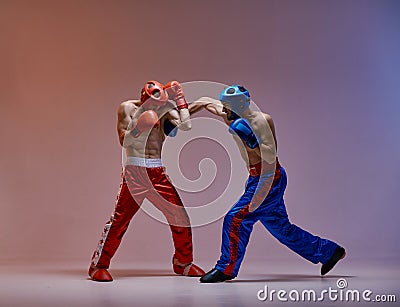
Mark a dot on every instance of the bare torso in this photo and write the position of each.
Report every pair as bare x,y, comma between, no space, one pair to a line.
149,143
261,124
261,127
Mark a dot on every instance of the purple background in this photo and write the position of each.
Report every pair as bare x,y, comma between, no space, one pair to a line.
327,71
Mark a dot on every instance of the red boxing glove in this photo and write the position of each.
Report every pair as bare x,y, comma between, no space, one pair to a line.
175,93
146,121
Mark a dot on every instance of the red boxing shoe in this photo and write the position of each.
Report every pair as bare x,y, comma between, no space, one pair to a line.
189,269
99,274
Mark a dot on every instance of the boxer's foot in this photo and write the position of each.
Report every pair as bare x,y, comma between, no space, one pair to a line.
215,276
99,274
338,254
189,269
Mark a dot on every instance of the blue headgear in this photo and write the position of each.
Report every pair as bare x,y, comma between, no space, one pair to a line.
237,97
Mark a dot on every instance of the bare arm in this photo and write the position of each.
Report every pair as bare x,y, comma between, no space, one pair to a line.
212,105
265,131
126,122
180,119
272,127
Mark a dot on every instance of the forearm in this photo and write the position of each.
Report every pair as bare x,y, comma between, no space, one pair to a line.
196,106
267,171
180,119
263,187
126,139
212,105
184,117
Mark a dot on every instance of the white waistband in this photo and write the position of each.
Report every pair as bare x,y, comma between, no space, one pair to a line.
144,162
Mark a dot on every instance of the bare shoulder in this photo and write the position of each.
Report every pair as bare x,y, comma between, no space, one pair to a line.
263,119
127,106
268,118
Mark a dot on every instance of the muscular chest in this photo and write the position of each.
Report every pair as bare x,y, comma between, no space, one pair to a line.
155,135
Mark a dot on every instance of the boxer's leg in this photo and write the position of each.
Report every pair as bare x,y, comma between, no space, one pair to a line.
272,214
165,198
310,247
115,228
237,227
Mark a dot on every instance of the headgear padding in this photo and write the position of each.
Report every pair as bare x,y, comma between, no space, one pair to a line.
154,90
237,97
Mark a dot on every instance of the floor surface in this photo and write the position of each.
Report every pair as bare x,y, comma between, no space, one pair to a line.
150,284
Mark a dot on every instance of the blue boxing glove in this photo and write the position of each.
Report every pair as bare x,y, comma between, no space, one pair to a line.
241,127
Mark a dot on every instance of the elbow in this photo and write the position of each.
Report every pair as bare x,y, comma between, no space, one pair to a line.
268,154
186,125
185,122
121,140
124,140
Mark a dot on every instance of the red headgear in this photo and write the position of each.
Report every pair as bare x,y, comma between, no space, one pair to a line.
154,92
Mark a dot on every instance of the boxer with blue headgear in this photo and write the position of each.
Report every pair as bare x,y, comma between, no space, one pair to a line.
262,200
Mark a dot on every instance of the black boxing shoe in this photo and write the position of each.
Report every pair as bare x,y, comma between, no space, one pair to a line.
215,276
338,254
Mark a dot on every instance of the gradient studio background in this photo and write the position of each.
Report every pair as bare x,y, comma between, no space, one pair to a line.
327,71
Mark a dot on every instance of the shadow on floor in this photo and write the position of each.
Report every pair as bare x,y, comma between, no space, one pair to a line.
117,273
289,278
142,273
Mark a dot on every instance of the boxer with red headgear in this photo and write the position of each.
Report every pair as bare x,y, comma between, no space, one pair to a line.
142,126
